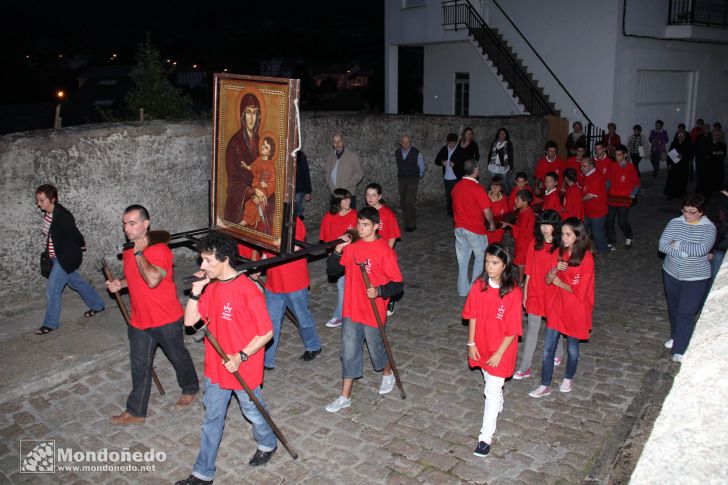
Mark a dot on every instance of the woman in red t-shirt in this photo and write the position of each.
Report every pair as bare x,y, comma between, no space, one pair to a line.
542,256
339,219
493,309
570,310
499,207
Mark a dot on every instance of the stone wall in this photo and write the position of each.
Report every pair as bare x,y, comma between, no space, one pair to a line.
100,169
688,444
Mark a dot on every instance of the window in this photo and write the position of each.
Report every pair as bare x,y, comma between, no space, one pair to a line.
462,93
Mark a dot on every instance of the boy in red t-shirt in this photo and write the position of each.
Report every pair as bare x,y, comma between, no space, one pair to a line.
522,230
551,196
521,184
549,163
360,324
234,310
594,190
573,203
602,161
623,183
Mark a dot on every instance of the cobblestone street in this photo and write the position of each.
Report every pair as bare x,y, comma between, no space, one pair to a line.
427,438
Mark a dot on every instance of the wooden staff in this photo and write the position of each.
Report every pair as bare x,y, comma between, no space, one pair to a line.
127,318
368,284
213,341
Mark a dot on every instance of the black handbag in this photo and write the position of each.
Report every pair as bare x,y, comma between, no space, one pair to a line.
46,265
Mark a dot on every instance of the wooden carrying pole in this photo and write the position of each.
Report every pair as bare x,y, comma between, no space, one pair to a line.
127,319
213,341
368,284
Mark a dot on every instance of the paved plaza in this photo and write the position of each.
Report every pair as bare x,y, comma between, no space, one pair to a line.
64,386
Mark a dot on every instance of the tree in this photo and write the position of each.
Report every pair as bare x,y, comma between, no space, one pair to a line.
152,91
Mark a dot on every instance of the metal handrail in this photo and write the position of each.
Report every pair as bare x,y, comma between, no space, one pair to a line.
709,13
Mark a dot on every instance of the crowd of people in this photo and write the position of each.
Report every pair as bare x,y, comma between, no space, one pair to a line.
558,219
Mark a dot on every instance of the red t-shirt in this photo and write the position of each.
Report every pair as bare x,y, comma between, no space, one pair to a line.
538,263
552,201
469,200
543,167
499,208
573,203
571,313
390,227
514,194
603,165
237,313
334,225
152,307
595,184
289,277
622,182
382,268
523,235
245,251
495,319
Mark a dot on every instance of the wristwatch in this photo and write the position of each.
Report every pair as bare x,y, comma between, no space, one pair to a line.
243,356
138,253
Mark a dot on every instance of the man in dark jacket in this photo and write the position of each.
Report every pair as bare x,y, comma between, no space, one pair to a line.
303,182
64,244
410,169
451,159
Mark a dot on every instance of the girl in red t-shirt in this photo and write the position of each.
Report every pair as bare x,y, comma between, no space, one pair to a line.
542,256
493,309
339,219
570,309
499,207
388,229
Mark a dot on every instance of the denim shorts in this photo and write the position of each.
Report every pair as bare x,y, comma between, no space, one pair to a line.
353,335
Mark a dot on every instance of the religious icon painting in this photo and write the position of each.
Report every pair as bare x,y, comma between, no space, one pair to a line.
255,133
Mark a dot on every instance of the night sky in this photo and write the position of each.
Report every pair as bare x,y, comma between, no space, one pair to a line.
213,35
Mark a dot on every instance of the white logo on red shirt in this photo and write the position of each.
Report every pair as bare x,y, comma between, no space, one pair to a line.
227,312
623,178
576,279
368,265
501,312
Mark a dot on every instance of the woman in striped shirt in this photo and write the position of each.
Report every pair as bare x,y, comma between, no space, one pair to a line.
686,242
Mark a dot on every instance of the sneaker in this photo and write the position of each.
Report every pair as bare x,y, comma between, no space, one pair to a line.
522,374
540,391
557,361
612,247
338,404
387,384
334,323
668,344
482,449
565,385
677,358
390,308
628,243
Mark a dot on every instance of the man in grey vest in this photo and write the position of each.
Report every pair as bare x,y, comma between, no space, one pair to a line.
410,169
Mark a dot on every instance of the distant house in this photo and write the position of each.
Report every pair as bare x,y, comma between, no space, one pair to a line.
101,87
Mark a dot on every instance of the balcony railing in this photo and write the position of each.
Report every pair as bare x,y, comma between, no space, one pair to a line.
708,13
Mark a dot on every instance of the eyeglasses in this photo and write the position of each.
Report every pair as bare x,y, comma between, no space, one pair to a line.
690,212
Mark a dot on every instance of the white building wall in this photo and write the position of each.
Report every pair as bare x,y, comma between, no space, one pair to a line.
487,95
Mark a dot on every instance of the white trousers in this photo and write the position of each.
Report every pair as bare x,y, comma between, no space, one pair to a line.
493,405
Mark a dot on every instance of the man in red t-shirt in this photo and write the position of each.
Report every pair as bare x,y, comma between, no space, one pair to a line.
602,161
549,163
471,208
234,310
623,184
286,286
360,324
573,203
594,190
156,317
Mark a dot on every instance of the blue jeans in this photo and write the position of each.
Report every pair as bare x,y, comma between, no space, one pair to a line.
467,243
142,346
683,302
57,281
339,298
297,301
353,336
598,231
549,349
298,208
216,403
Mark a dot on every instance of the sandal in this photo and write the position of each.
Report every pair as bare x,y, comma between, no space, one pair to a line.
91,313
43,330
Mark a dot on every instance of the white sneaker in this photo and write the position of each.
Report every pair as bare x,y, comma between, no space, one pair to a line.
677,358
540,391
565,385
340,403
668,344
557,361
522,374
387,384
334,323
